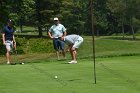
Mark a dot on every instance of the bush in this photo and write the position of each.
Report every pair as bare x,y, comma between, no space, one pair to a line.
40,45
34,45
2,48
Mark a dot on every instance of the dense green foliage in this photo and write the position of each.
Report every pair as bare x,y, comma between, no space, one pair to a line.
34,45
39,45
109,17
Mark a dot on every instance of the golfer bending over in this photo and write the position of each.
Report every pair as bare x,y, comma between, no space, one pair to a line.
73,41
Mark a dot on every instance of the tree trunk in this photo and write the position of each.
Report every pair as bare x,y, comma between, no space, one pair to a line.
133,33
20,25
132,28
21,28
38,17
123,29
0,3
98,32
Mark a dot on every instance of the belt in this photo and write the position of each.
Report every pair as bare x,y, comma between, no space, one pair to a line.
8,41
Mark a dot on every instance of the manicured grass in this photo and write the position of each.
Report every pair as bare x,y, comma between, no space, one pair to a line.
117,69
114,75
110,46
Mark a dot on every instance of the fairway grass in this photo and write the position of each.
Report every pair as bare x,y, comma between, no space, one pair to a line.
114,75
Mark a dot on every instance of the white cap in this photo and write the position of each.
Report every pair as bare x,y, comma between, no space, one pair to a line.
55,18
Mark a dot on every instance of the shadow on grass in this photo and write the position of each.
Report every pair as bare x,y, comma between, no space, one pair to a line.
73,80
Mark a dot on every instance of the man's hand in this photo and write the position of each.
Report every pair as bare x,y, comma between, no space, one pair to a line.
15,46
4,43
51,37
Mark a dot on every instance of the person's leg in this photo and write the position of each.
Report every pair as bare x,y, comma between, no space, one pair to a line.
71,53
73,49
55,44
74,55
62,47
8,57
57,54
8,48
64,54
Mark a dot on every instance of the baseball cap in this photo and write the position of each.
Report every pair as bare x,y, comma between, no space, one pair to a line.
55,19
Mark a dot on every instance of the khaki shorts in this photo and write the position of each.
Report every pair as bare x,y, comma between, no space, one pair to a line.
78,42
9,45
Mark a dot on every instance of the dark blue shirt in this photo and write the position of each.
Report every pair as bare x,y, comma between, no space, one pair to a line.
9,32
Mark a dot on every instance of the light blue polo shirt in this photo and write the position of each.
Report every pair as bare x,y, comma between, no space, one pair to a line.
57,30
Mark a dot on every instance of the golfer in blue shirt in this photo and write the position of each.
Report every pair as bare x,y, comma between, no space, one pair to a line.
8,38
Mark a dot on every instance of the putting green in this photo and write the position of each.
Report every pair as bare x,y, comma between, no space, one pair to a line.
116,74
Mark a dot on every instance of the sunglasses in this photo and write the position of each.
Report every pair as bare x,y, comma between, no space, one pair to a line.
55,20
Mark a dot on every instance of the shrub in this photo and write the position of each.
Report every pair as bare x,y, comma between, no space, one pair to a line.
2,48
40,45
34,45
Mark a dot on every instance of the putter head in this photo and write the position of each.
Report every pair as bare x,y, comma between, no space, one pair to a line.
22,63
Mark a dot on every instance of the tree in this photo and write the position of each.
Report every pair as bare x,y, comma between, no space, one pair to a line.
132,11
4,6
118,8
74,14
22,9
100,13
46,10
125,11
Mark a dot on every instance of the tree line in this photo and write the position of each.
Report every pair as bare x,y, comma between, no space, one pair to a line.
110,16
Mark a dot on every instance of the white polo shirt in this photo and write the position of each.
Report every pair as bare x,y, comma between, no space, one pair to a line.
76,40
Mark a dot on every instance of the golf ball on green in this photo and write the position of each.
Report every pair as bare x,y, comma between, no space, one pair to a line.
55,77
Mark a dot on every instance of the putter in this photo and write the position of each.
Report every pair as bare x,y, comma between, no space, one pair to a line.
14,50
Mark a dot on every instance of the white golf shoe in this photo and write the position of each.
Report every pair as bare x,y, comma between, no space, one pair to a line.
8,63
72,62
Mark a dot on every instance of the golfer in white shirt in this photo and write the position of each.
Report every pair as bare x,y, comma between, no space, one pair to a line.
73,41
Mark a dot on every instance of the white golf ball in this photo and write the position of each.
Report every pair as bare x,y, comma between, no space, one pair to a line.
22,63
55,77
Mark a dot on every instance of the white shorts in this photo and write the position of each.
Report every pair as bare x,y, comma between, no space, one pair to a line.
78,42
9,45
